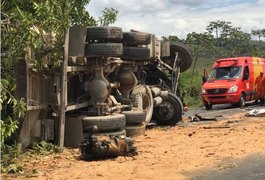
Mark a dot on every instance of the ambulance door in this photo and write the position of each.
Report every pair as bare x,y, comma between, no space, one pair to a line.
247,83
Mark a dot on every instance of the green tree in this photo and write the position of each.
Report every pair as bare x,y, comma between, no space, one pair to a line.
218,27
38,25
109,16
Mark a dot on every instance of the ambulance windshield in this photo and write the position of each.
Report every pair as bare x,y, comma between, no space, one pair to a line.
231,72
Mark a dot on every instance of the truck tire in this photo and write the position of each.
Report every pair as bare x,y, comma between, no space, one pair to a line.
134,117
135,53
169,112
136,38
147,100
104,50
104,123
135,130
108,133
184,55
108,33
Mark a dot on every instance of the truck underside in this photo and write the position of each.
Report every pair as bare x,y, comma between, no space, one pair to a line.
116,81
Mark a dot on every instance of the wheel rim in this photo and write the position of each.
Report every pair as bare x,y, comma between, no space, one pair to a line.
148,104
166,111
147,101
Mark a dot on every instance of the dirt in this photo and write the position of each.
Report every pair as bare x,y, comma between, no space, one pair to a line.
164,153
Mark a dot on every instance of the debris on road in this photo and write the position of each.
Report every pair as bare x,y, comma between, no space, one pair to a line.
256,113
198,117
206,118
216,127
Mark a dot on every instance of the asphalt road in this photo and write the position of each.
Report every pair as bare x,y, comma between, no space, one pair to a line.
222,111
250,168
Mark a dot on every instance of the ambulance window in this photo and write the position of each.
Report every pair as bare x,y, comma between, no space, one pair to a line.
246,73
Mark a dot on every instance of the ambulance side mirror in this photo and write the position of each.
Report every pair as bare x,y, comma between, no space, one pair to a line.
245,77
204,79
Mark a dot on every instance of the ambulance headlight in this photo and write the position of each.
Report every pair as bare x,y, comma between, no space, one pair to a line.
203,91
233,89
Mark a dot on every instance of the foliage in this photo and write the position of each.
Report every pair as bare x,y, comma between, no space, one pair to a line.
44,148
11,155
11,109
9,159
109,16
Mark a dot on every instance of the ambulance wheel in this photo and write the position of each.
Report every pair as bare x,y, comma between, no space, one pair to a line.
208,106
242,101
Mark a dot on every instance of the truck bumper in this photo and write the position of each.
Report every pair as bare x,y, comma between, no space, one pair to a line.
220,99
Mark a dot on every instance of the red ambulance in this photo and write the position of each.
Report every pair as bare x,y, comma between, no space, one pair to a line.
232,81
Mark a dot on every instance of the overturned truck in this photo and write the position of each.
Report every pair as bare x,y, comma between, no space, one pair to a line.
113,81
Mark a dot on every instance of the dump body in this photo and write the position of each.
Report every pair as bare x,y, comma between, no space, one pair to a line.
232,79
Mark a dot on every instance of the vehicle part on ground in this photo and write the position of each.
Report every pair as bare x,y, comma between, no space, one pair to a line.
107,33
256,113
135,130
143,100
169,112
104,50
99,147
135,53
184,56
134,117
104,123
136,38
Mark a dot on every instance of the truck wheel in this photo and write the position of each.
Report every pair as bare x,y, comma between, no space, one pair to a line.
108,133
104,33
136,38
104,123
146,99
104,50
242,101
135,130
134,117
184,55
135,53
208,106
169,112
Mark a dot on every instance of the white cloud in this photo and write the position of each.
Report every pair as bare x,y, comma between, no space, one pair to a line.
180,17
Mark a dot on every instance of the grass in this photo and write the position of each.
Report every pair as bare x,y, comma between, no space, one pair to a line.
191,82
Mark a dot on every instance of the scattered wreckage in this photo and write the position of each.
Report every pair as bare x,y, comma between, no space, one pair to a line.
256,113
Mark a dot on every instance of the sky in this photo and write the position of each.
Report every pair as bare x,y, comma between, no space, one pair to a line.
180,17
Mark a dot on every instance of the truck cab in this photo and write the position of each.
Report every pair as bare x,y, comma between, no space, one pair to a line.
232,81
